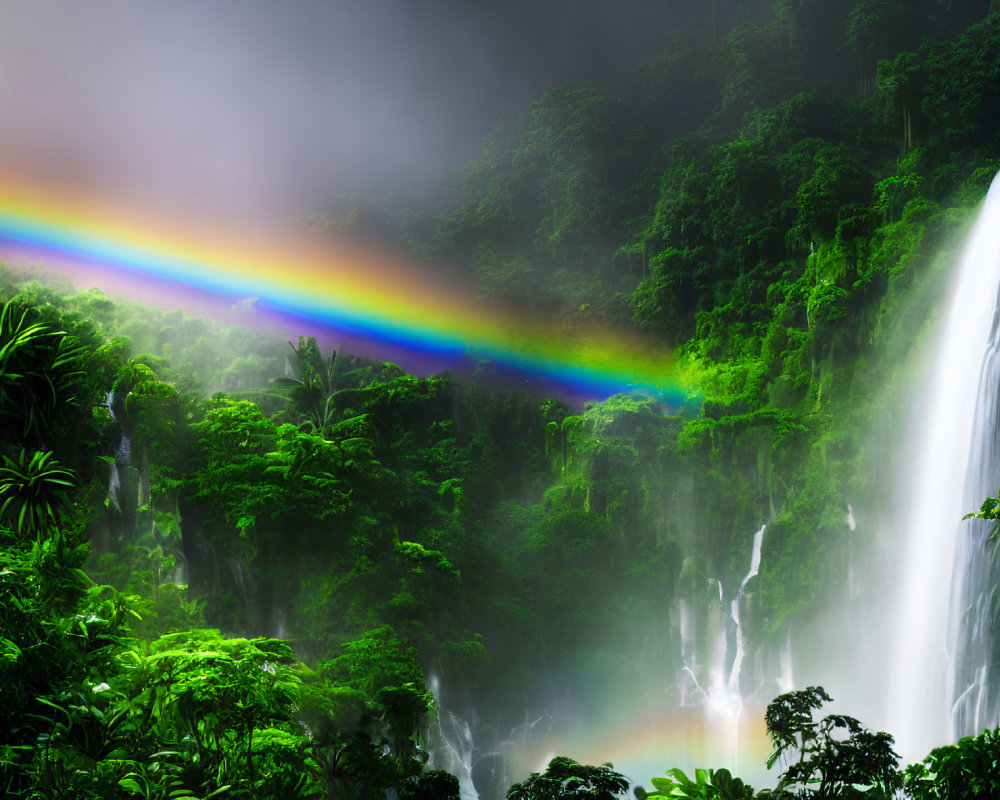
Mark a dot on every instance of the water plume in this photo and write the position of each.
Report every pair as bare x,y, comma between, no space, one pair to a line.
955,431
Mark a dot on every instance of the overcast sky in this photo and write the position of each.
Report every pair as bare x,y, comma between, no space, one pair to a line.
270,107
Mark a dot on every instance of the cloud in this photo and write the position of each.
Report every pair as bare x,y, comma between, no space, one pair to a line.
257,109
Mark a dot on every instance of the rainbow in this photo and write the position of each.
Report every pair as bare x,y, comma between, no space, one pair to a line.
371,301
646,742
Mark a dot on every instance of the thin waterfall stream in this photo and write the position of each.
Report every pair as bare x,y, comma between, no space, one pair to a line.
450,745
733,685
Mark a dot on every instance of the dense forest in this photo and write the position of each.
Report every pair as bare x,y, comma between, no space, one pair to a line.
233,566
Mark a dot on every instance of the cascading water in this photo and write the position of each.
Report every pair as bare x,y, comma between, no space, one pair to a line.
454,754
723,699
976,673
786,672
734,674
943,644
449,744
123,482
123,456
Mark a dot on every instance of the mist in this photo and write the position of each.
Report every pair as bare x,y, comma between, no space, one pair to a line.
264,111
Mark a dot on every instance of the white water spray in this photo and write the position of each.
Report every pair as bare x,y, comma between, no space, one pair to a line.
934,496
734,675
720,696
450,744
786,676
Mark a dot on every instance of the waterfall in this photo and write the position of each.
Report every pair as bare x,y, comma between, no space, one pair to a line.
786,676
123,481
711,681
976,679
122,455
945,574
449,744
734,674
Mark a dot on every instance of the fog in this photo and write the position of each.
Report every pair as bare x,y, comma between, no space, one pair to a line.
265,110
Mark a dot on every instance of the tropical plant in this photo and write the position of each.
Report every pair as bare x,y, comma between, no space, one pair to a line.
989,510
199,690
969,769
309,391
58,645
837,756
35,491
707,784
41,374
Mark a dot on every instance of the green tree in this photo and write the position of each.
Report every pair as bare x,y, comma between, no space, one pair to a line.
310,391
147,411
966,769
837,755
434,784
565,779
218,694
666,300
262,478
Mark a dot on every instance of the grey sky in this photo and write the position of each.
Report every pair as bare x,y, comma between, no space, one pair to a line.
268,107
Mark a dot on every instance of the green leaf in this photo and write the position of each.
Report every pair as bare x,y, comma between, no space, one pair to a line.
131,785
